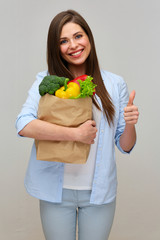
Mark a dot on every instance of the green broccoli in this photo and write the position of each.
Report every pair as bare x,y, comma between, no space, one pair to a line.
52,87
51,83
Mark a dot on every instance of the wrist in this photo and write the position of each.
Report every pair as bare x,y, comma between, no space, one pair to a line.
130,126
73,134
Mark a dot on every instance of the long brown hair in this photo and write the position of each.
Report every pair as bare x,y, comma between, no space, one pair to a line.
58,66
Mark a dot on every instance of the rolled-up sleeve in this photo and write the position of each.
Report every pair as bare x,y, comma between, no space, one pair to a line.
123,100
30,107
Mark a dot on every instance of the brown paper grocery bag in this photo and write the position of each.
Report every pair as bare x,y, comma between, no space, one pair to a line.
69,113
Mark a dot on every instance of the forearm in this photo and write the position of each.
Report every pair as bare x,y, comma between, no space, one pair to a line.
42,130
128,138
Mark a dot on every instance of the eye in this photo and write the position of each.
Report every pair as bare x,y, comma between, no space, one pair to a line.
63,41
78,36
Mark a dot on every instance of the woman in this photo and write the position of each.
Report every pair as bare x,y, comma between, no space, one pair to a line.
90,188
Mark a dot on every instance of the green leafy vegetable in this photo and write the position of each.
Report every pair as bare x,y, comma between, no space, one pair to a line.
87,88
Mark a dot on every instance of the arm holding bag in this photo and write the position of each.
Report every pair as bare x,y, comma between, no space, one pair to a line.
68,113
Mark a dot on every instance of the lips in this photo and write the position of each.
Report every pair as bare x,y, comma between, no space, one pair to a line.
76,53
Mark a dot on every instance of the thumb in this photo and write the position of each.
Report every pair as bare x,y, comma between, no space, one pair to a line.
131,98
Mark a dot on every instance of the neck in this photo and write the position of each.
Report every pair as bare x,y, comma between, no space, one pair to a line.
77,70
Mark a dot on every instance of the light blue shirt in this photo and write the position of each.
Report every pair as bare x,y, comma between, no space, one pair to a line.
44,180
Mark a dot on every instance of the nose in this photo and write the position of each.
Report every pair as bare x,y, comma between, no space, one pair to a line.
73,44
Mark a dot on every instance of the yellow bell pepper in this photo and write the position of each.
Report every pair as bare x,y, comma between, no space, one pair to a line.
73,90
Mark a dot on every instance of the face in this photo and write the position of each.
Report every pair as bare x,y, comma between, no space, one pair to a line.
74,44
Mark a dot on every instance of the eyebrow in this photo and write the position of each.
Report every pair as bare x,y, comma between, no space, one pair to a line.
73,35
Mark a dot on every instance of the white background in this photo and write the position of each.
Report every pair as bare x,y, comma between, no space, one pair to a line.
127,37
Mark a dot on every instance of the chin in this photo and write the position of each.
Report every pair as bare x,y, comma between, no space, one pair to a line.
79,62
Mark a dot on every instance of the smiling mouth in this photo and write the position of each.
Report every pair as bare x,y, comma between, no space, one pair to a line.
76,53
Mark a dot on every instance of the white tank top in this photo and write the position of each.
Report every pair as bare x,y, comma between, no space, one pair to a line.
80,176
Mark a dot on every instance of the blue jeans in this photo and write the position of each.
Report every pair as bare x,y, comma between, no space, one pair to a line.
59,220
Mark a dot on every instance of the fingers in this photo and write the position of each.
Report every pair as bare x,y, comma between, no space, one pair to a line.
91,122
131,114
132,108
131,98
131,119
87,132
92,138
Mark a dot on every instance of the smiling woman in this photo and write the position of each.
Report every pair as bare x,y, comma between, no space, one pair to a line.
81,39
74,47
90,187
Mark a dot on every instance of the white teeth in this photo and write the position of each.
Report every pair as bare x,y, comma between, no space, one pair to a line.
73,54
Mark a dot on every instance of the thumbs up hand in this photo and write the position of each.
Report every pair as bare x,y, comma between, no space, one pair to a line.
131,113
